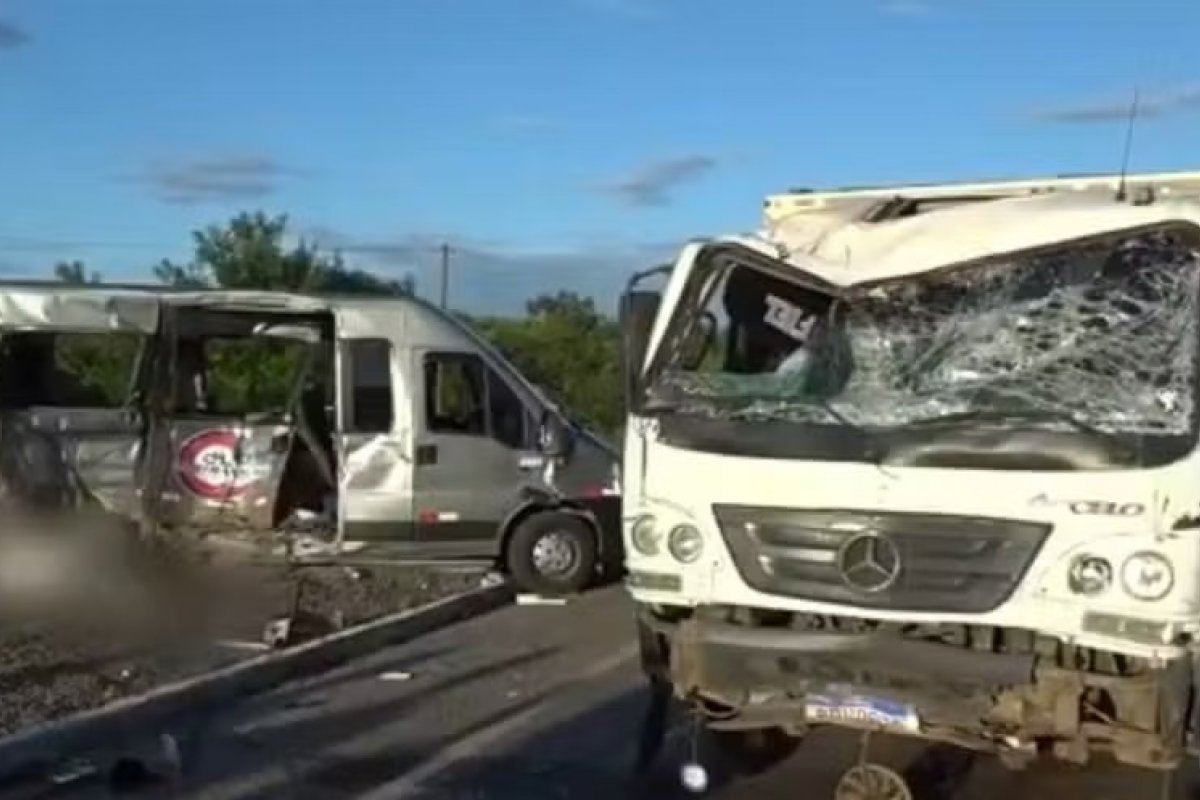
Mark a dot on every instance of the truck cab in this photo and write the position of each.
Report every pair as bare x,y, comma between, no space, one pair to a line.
923,460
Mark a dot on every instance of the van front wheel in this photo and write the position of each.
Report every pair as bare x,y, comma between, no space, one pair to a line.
552,553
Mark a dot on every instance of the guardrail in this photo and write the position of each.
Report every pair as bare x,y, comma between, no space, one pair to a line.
30,753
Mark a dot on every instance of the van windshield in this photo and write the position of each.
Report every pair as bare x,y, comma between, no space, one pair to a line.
1098,335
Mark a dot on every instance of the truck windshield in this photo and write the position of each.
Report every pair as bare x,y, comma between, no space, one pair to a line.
1093,335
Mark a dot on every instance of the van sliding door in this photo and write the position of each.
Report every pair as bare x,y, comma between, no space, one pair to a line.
376,496
228,388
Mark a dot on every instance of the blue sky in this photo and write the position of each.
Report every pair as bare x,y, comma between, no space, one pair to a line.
555,143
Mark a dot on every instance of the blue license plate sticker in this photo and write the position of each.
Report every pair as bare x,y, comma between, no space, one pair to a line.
859,710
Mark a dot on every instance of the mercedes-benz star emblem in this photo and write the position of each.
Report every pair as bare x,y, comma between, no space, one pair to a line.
869,562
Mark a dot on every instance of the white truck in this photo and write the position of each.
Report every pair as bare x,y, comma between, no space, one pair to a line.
923,459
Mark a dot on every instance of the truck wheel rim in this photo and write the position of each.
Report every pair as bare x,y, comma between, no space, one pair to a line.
555,554
872,782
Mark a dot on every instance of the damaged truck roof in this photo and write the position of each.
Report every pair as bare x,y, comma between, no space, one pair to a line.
839,244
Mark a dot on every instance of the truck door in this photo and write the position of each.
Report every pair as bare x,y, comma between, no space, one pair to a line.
474,431
375,441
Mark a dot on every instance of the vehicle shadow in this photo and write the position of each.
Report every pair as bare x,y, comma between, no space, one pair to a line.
280,757
582,742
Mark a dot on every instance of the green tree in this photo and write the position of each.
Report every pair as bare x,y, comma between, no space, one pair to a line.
251,252
102,363
74,272
569,349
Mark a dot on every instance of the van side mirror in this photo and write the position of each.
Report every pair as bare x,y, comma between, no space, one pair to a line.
554,436
638,310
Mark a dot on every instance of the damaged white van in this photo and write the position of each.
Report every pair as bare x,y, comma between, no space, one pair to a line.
924,460
317,428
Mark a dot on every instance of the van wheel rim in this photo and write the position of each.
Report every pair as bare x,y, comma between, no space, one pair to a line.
555,553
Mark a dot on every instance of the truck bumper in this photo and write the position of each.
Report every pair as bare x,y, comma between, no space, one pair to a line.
748,677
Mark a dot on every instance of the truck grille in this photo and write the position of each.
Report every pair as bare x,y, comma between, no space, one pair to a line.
883,560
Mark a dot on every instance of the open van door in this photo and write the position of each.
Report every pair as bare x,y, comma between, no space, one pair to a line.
226,399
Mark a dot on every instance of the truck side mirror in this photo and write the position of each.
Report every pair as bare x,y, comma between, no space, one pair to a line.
638,310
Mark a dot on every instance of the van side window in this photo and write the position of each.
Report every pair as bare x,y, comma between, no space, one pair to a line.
507,413
464,396
369,384
63,369
454,394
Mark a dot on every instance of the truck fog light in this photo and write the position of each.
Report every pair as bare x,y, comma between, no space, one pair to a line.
1089,575
1147,576
685,543
644,536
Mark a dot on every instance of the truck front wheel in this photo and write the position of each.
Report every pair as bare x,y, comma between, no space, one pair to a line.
552,553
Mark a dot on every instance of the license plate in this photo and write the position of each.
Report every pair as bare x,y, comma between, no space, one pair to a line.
861,711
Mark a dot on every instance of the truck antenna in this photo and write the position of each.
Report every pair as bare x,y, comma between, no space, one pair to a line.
1133,112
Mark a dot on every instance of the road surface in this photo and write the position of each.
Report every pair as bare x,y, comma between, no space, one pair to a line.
525,703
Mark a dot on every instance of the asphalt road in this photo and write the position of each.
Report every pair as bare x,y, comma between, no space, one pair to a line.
525,703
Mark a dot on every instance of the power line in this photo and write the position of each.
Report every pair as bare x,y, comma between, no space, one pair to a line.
36,244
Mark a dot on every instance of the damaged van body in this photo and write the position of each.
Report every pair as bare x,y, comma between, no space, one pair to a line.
924,460
310,428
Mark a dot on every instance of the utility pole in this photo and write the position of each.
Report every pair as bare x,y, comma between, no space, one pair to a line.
445,273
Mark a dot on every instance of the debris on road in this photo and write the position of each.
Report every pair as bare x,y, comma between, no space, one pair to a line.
540,600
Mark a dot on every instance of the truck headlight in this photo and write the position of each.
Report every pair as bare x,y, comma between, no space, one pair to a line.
685,543
1089,575
1147,576
644,536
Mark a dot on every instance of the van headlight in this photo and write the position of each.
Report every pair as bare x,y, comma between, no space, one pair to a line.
1147,576
685,543
644,535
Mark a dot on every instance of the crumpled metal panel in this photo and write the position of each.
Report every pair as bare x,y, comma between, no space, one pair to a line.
76,309
223,474
371,465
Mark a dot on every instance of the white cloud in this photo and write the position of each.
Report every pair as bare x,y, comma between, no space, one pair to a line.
1155,103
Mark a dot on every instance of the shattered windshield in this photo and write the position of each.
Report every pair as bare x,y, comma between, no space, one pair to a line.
1088,335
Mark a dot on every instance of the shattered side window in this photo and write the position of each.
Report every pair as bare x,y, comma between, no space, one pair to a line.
1103,331
68,369
752,338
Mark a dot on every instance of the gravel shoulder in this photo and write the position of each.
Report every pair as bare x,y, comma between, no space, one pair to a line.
51,668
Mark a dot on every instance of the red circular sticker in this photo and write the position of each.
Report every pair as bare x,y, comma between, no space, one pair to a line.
208,465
